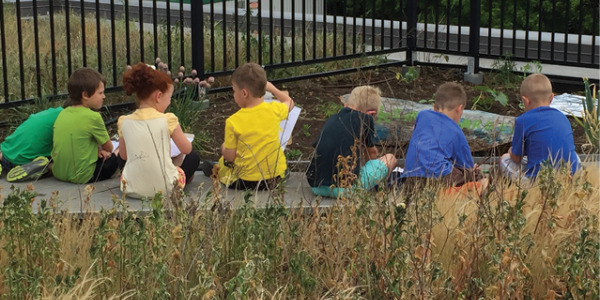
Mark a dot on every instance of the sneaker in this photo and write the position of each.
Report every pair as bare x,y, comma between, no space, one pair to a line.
30,171
207,167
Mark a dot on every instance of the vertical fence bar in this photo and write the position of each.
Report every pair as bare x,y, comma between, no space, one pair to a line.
141,21
303,29
334,48
489,39
566,34
381,40
425,15
282,27
4,49
474,33
400,36
459,25
83,35
372,25
344,31
36,42
169,53
447,25
553,30
52,47
236,41
411,30
314,41
271,32
182,33
68,36
324,29
528,6
225,60
580,31
20,43
514,36
501,27
293,28
540,14
364,27
113,39
594,27
437,21
98,36
260,53
127,36
155,29
197,11
248,30
354,28
212,35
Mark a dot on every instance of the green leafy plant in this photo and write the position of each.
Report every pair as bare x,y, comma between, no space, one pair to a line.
411,75
590,117
293,154
305,130
329,109
487,102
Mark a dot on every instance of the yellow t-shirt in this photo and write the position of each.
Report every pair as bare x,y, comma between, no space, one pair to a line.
254,133
149,168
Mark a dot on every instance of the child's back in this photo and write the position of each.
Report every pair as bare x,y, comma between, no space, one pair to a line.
77,133
437,145
31,139
339,135
546,135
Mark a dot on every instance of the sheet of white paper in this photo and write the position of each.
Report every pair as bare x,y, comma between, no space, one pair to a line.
174,150
287,126
569,104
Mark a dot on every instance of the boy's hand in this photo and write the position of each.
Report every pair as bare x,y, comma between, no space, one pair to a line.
103,154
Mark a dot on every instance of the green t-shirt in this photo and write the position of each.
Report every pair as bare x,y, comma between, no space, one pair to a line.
33,138
77,133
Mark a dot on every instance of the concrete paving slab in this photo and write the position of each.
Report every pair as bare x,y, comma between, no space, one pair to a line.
73,197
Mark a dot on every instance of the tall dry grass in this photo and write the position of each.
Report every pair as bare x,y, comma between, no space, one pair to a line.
506,244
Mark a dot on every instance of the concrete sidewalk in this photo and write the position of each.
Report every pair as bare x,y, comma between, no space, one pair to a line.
71,196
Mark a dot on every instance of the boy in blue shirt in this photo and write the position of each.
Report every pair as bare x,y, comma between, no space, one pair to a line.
438,148
542,134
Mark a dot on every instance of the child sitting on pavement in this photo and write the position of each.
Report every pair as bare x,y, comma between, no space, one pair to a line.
252,155
542,134
82,151
438,148
145,137
351,128
26,153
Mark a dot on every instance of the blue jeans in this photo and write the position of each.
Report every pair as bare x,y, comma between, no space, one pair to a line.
6,164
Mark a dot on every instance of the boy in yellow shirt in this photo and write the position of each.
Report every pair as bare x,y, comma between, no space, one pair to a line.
252,154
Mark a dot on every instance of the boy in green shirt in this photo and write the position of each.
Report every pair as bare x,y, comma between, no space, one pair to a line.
82,151
25,153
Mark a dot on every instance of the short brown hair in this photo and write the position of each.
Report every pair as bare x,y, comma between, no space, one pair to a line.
251,77
82,80
450,95
365,98
537,87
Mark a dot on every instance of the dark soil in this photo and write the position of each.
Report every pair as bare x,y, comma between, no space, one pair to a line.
319,98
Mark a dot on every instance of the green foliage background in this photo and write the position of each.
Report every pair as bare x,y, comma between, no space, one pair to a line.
549,15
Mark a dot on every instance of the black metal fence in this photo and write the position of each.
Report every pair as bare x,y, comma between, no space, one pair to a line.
43,41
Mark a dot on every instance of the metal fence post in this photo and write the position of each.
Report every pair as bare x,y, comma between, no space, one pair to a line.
411,30
197,11
472,74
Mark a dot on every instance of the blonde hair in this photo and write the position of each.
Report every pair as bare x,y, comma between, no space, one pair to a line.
450,95
365,98
537,87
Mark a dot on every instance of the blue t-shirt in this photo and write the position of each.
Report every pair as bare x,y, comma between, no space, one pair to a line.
437,144
544,133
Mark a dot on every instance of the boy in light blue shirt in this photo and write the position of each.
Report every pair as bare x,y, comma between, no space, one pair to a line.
542,134
438,148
